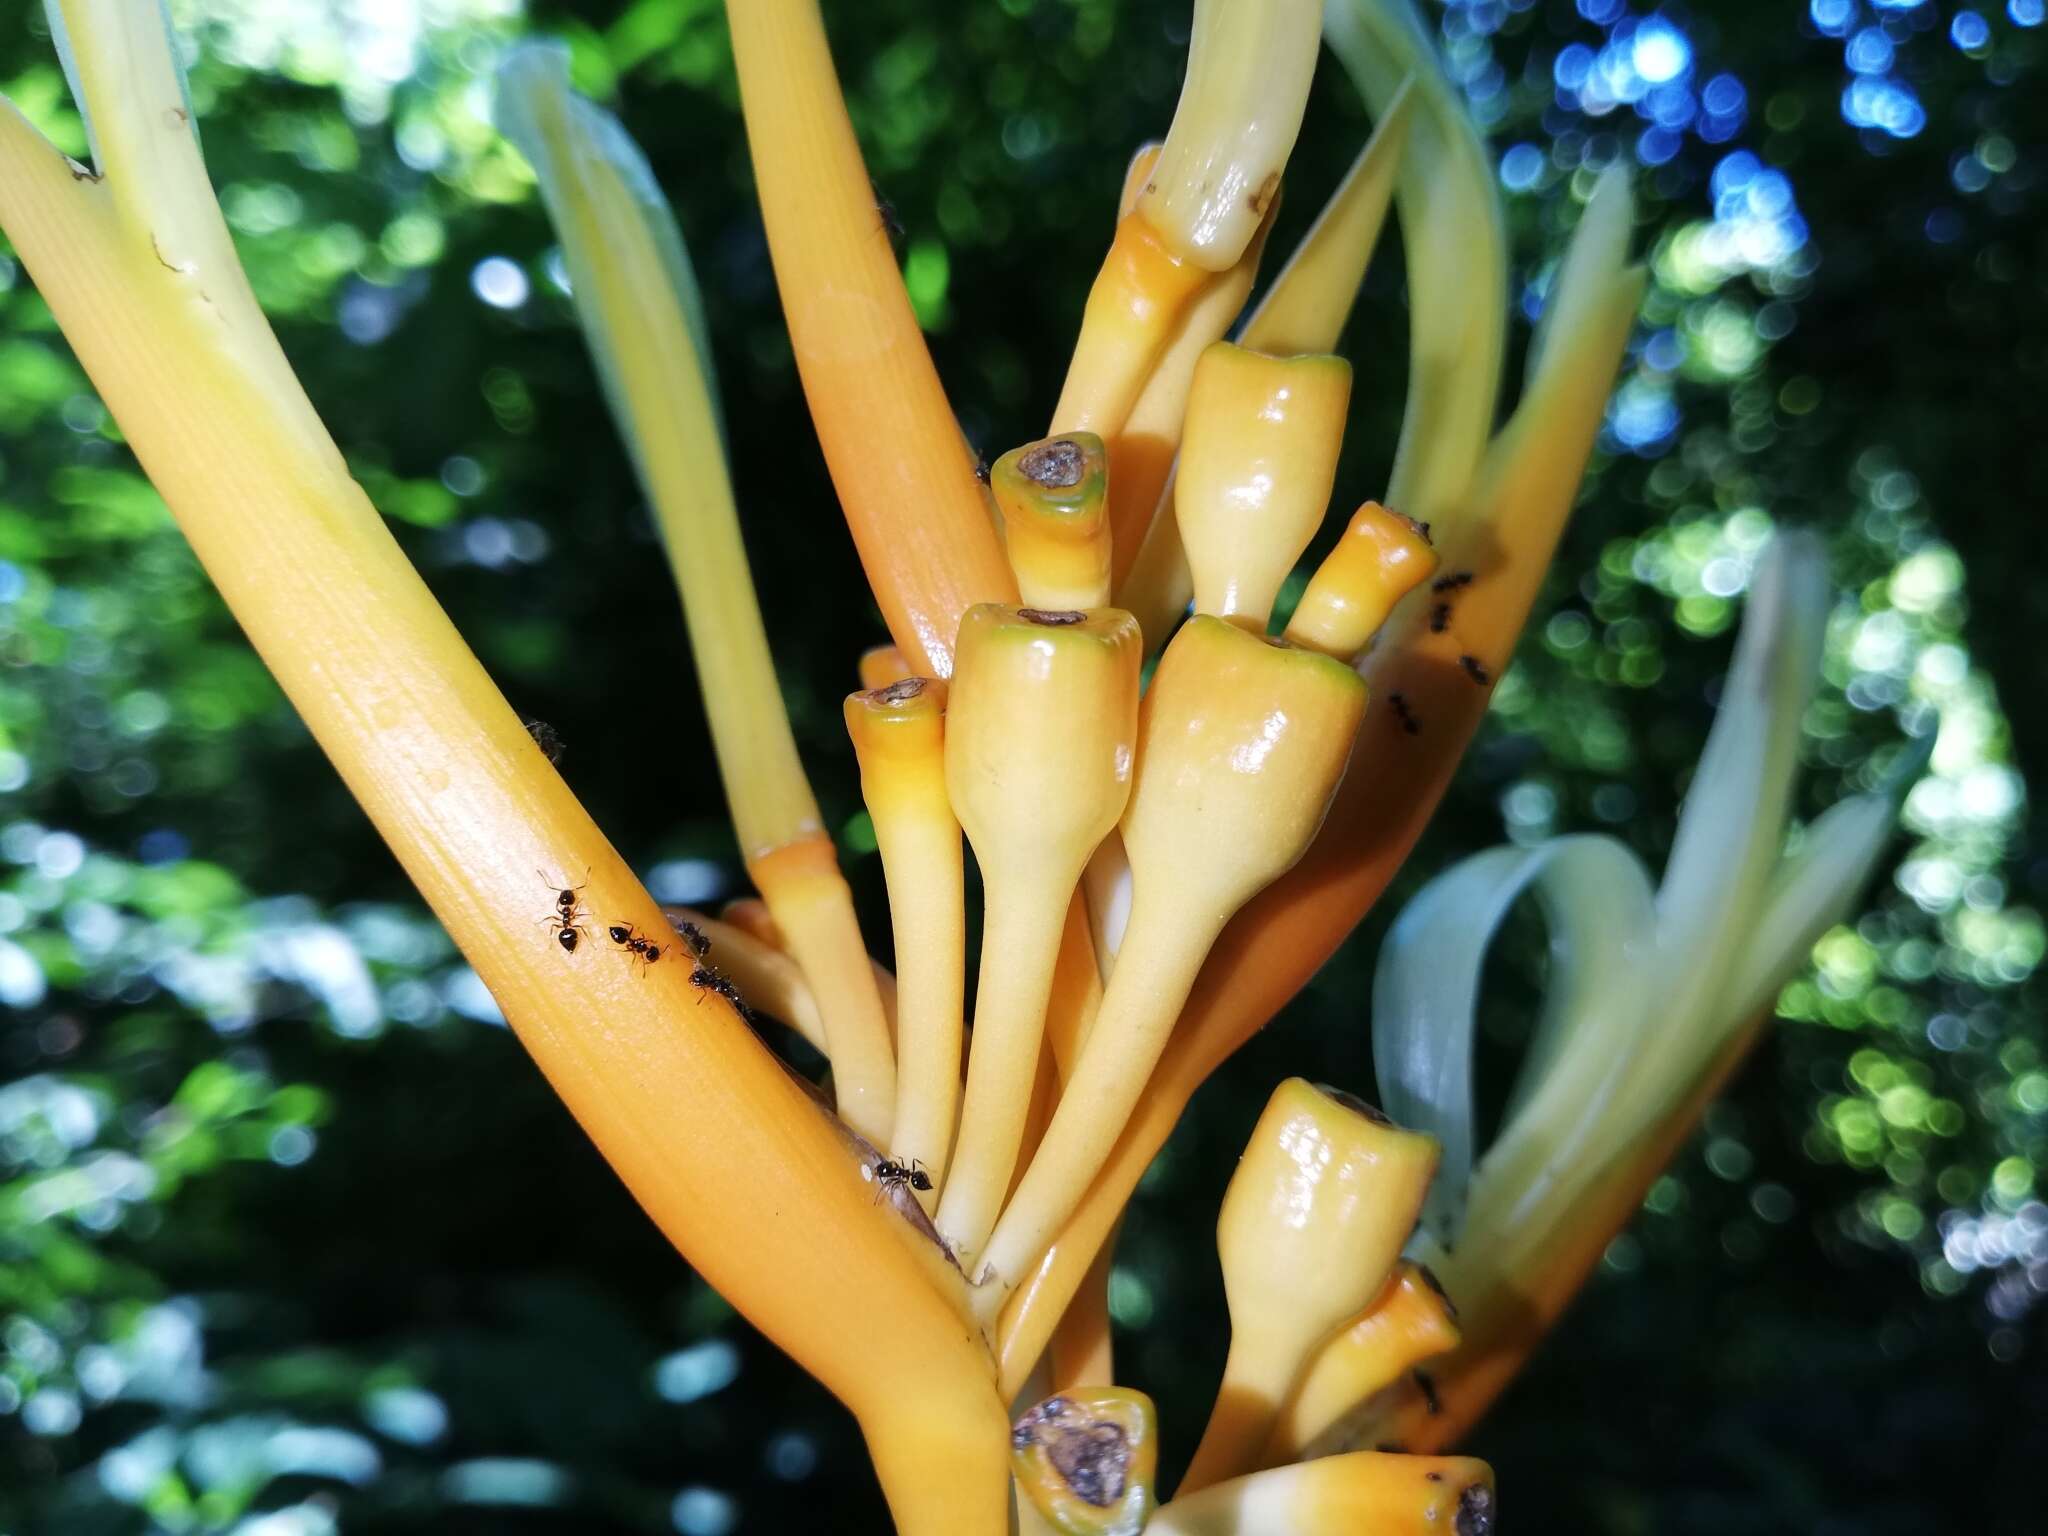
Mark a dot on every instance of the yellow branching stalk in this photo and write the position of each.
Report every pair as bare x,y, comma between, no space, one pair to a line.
694,1114
637,300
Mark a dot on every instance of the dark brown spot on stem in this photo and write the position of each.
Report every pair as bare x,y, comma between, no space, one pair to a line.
1262,199
1056,464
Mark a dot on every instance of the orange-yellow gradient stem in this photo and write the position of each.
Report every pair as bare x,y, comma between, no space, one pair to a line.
904,474
691,1111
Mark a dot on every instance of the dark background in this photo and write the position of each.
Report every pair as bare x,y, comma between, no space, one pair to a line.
292,1238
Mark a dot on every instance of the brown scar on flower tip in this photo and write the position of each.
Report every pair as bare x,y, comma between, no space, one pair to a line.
1419,528
1092,1456
1051,618
1476,670
1452,582
1262,199
902,691
1055,465
1475,1511
1432,1477
80,172
1426,1385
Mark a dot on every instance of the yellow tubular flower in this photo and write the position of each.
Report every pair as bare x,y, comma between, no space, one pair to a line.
1143,453
637,300
1325,1195
690,1110
1040,734
1055,523
882,665
1304,311
1410,1321
1513,520
899,734
1089,1460
1249,66
1243,739
1341,1495
1255,474
904,475
1380,559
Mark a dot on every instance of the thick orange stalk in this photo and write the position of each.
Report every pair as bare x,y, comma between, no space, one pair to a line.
904,474
689,1109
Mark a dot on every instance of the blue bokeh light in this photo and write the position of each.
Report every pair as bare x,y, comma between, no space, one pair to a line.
1869,52
1659,51
2025,13
1969,31
1520,167
1883,103
1834,17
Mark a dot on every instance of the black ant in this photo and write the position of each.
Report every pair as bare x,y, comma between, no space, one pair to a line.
1398,702
545,737
1439,618
1452,582
698,940
564,919
1421,529
1475,669
646,951
981,469
890,1175
714,981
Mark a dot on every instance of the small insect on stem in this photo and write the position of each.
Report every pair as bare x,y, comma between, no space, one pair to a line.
1398,702
566,920
1475,669
707,979
544,737
889,1176
1452,582
646,951
892,222
697,939
1439,618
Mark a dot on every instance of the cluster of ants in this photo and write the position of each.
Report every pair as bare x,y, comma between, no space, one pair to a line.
567,923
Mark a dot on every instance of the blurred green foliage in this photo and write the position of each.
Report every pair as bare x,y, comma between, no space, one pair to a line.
292,1239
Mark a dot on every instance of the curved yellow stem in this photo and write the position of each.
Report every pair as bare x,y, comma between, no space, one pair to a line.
904,474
